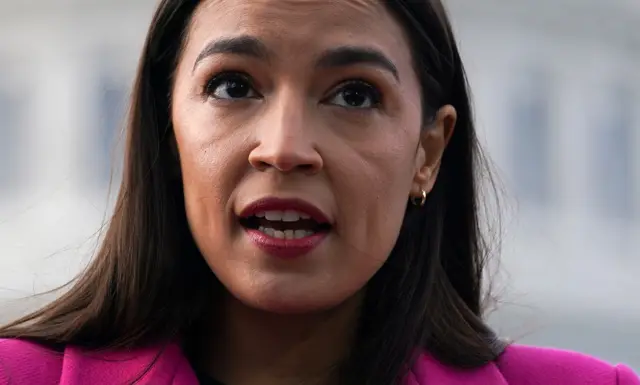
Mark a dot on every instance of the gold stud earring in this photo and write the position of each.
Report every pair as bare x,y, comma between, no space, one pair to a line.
419,201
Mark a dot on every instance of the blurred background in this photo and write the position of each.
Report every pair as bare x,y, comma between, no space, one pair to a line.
557,94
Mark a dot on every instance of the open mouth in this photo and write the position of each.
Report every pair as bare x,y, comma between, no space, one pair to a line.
288,224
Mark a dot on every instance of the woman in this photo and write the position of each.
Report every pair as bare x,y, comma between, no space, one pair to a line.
299,206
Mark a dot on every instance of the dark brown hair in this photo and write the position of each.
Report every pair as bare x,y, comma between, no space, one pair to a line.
148,282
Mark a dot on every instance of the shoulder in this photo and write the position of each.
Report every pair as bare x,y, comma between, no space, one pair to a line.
23,362
555,366
525,365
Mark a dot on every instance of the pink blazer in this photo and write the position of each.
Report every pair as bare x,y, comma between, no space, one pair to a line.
24,363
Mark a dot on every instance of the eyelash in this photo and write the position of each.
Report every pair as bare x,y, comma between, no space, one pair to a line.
216,81
361,85
373,93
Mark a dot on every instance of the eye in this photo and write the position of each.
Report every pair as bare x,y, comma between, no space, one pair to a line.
356,94
229,86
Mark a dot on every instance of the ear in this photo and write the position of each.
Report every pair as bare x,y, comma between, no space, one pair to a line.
433,141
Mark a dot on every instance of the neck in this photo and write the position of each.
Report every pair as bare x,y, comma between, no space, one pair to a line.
251,347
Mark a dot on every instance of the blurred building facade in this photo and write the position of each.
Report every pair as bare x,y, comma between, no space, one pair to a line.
557,95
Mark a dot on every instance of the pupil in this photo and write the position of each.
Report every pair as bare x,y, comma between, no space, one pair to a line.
237,89
354,97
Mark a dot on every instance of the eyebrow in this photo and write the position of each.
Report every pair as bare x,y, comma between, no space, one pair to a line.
240,45
344,56
352,55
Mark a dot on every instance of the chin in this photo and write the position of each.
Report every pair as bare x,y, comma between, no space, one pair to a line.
289,307
291,302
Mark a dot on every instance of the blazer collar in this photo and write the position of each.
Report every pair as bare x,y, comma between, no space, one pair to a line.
167,365
427,370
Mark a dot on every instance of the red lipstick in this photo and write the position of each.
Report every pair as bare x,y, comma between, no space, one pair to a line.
277,246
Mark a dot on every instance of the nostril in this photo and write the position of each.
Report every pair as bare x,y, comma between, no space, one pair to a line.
260,165
308,168
284,167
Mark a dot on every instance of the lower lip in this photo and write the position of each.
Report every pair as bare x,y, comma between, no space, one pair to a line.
286,248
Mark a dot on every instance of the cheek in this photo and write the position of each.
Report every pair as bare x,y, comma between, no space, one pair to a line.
209,169
377,180
387,195
202,190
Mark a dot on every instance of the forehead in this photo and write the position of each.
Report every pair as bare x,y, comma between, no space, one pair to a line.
301,24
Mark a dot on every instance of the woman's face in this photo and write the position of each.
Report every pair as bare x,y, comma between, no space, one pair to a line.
298,126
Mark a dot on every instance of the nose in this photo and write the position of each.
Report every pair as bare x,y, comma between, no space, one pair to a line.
285,141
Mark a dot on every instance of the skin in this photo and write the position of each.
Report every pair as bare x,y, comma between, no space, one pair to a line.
296,135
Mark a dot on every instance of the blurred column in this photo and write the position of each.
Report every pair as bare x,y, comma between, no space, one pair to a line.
59,109
574,86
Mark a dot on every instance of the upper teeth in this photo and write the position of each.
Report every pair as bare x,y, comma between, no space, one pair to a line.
284,216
